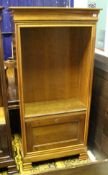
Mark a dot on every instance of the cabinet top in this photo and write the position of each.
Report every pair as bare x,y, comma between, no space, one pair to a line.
54,13
50,8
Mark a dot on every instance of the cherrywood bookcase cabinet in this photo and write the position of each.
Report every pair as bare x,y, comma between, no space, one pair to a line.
54,54
6,158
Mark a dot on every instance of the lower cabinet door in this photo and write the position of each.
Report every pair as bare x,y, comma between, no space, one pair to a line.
55,131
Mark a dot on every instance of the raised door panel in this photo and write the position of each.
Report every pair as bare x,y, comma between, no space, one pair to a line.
56,131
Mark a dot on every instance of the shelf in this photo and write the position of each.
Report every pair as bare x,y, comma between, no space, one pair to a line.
53,107
2,117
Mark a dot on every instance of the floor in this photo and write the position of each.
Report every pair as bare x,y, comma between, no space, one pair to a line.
64,163
99,168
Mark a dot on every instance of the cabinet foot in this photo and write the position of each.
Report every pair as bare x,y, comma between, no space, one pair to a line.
27,166
12,169
83,156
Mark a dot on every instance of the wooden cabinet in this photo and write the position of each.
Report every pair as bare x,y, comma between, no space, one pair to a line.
54,55
6,158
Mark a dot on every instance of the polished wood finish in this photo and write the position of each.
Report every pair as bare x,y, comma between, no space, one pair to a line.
54,56
100,168
6,157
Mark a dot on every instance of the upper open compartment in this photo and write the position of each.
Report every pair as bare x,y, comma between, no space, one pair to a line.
55,69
